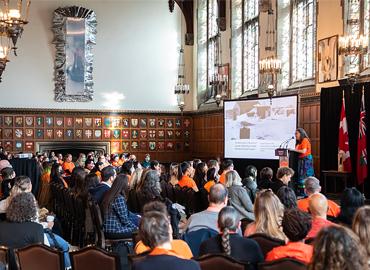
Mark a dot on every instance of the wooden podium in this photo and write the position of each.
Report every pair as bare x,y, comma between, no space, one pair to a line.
288,158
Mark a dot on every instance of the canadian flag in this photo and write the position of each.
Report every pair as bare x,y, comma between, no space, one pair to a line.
343,142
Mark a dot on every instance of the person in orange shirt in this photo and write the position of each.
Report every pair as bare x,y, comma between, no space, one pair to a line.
68,165
312,186
318,207
305,161
212,176
227,165
296,225
185,170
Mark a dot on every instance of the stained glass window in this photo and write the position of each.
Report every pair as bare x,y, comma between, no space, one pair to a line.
244,46
352,26
202,48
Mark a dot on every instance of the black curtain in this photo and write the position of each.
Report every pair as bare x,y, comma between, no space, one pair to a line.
331,105
28,167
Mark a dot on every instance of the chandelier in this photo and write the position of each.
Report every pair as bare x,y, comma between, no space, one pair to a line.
270,67
13,17
353,45
218,79
181,88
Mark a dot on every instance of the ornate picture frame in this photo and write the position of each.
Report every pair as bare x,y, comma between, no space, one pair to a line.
74,36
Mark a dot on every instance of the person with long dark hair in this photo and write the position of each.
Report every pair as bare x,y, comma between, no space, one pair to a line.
230,242
212,179
305,162
77,180
200,174
350,201
56,175
185,171
117,223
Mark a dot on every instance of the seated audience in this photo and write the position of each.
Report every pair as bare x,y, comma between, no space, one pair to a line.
155,232
184,173
338,248
238,196
117,221
361,227
179,246
136,178
200,174
230,242
212,179
350,201
155,166
312,186
207,219
68,165
268,211
7,175
318,208
108,176
22,184
296,224
227,165
21,228
250,181
287,197
213,164
265,180
283,177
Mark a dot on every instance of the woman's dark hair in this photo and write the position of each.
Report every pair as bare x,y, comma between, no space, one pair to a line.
153,164
228,220
183,167
266,173
7,173
92,180
196,162
296,224
211,174
78,180
119,187
337,247
287,197
126,167
154,229
350,201
155,206
22,208
303,134
55,173
88,161
96,168
150,188
200,174
250,171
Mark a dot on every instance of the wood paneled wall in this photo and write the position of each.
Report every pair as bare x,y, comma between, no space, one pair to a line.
208,135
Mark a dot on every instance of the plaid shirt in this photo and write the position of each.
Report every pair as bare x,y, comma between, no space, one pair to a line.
117,219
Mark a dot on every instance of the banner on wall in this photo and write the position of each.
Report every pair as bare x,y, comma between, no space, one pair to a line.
361,145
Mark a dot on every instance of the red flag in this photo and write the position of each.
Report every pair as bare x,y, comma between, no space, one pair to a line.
343,141
361,145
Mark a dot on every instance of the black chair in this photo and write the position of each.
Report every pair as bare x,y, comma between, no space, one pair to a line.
266,242
285,264
94,258
220,262
39,257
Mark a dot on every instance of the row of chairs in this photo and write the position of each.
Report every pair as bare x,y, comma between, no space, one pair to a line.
71,212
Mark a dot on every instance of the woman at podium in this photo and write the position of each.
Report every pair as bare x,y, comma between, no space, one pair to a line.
305,161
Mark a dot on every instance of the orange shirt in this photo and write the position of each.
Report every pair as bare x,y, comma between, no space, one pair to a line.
207,186
333,208
186,181
295,250
318,224
222,179
162,251
68,166
178,246
305,144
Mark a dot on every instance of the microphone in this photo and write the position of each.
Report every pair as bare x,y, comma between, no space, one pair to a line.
288,141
